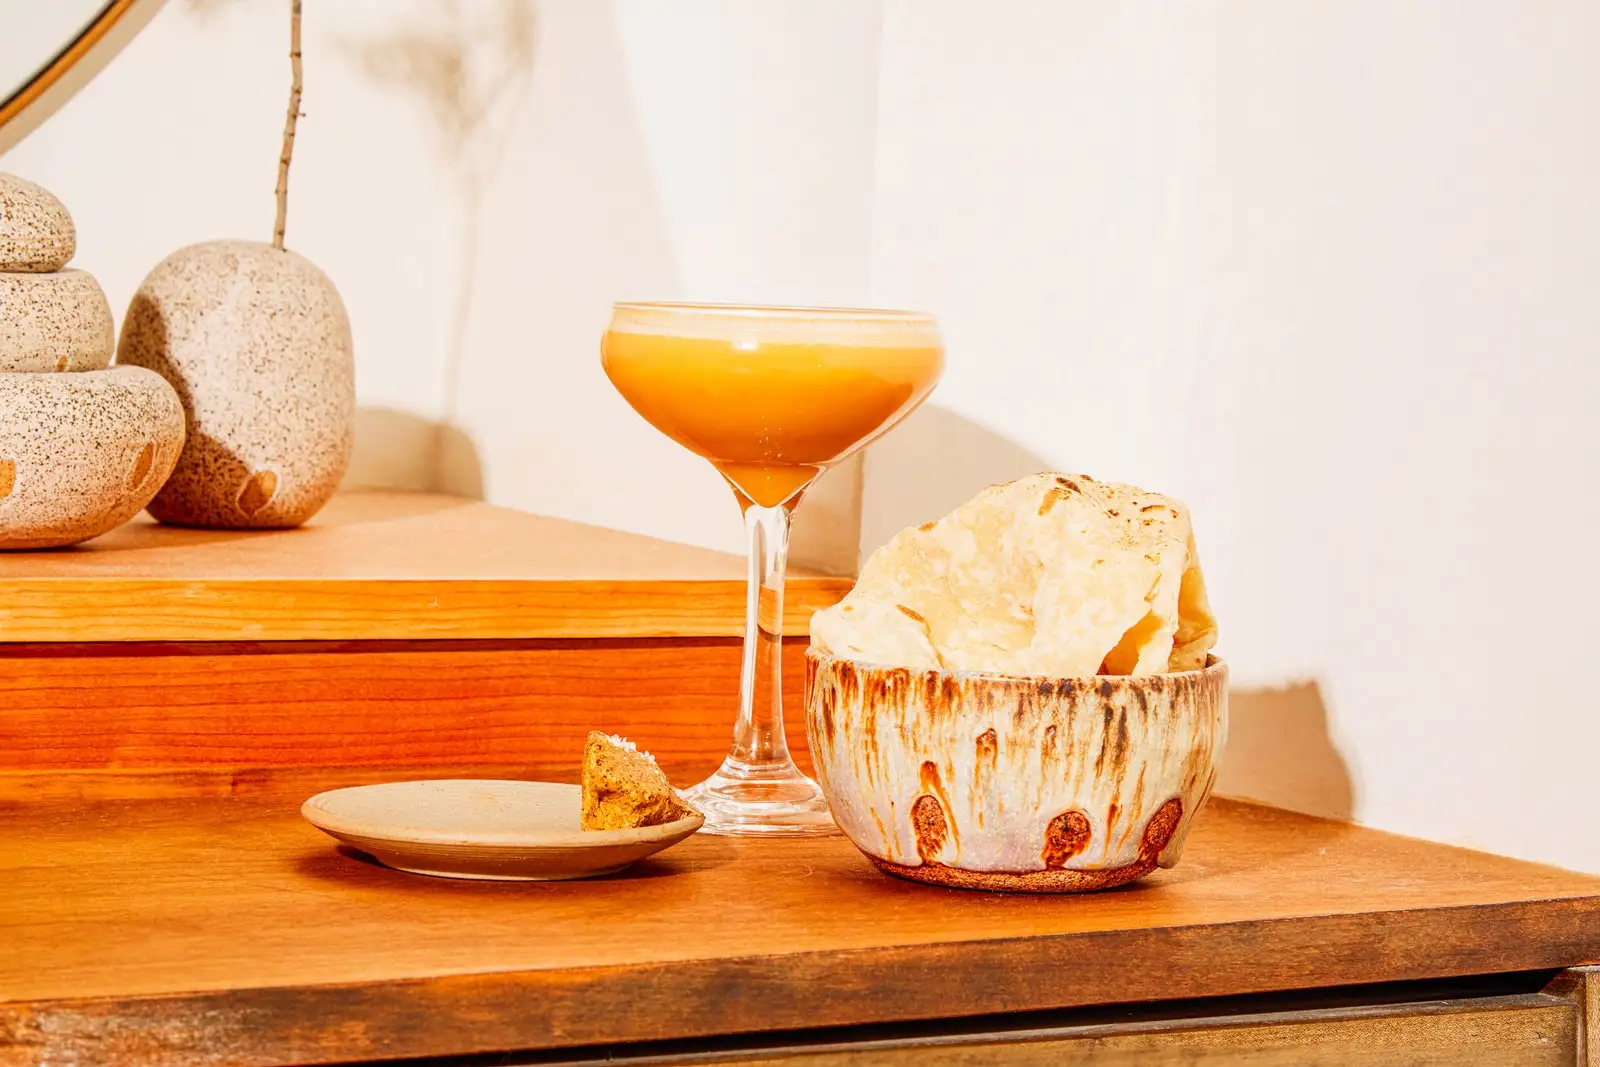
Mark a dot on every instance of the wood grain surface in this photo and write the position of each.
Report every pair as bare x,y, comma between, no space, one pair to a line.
152,720
212,931
386,566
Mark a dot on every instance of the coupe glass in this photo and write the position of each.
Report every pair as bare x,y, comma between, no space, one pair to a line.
772,396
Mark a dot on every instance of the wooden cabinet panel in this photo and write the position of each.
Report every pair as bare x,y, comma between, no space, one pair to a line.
1459,1035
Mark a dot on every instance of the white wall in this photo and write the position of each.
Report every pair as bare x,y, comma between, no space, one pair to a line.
479,226
1328,272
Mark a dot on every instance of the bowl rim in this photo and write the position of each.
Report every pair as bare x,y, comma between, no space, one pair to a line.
1215,665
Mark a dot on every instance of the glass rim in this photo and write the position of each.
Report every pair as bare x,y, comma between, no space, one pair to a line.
772,311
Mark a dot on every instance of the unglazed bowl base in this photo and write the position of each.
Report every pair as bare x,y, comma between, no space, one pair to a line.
1049,881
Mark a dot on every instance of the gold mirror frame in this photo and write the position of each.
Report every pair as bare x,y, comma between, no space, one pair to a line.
73,67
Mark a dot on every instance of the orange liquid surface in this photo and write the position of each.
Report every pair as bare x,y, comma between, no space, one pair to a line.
769,416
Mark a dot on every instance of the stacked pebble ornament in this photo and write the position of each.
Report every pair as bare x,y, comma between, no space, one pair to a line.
83,446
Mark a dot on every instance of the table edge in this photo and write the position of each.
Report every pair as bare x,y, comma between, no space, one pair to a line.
463,1013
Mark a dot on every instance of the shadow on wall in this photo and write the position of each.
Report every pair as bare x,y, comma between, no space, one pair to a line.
1279,752
931,463
399,450
469,67
827,525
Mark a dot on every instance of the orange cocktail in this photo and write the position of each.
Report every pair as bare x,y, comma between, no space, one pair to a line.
770,401
772,397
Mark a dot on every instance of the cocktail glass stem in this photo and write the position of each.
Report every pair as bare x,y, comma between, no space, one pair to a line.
759,739
758,789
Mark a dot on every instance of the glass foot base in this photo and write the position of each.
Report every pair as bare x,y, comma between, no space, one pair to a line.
761,800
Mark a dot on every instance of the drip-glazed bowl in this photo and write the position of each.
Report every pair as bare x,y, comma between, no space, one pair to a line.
989,781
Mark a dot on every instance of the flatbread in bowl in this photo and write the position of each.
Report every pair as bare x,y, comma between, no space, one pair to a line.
1021,694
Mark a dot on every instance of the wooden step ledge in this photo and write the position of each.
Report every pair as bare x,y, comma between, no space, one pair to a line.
377,566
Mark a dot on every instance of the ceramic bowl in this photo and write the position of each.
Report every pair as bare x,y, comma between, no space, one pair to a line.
1025,784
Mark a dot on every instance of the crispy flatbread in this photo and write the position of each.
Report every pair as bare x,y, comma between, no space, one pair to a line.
1053,575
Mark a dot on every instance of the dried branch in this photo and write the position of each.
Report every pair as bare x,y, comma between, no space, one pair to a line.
288,124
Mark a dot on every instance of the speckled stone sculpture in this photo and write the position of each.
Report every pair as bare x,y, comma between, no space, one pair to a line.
82,453
36,233
54,322
257,343
79,453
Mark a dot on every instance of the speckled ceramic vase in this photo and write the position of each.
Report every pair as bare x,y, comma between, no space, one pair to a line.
80,453
1007,783
257,343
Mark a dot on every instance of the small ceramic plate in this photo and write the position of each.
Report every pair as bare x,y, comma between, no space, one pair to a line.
475,828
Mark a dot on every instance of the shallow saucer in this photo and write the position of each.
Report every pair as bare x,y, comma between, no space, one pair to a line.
484,829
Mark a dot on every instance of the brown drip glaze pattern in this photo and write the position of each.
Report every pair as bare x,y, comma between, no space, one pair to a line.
1007,783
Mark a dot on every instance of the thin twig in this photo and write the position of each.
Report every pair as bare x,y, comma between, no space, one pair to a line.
288,124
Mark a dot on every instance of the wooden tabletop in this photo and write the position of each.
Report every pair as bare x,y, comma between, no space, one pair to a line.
229,931
385,566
